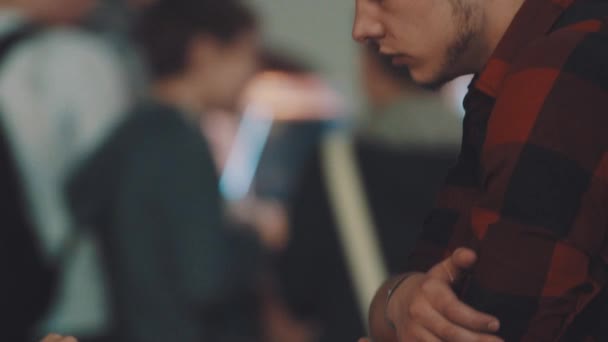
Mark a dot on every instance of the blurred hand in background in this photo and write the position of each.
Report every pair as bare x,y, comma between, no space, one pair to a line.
59,338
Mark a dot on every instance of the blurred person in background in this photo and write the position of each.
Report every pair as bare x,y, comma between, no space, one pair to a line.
177,273
401,150
61,91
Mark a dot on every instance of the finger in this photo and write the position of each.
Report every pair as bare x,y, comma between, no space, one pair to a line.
442,298
446,330
365,340
418,334
462,259
465,316
451,269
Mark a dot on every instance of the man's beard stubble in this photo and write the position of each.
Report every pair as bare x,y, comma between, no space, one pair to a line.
464,16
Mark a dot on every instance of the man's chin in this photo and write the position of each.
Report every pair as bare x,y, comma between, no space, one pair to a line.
430,80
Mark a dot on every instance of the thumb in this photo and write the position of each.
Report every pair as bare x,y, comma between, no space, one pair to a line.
452,268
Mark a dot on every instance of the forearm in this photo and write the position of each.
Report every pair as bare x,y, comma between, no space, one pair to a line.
531,305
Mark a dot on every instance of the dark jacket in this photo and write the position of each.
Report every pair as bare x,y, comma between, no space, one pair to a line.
176,272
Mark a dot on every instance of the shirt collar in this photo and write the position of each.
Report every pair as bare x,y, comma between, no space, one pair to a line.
534,19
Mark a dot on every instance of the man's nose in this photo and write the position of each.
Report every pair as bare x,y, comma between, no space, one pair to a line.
366,26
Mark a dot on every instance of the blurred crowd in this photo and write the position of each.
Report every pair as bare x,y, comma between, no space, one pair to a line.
166,176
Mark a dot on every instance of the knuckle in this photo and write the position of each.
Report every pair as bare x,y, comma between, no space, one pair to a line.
450,312
427,286
445,296
446,331
416,309
412,311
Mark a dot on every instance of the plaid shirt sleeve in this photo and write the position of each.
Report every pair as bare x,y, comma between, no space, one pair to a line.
532,198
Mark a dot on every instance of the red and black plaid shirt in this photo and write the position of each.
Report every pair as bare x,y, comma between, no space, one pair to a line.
530,190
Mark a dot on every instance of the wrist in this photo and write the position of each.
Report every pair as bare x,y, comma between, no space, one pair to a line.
392,306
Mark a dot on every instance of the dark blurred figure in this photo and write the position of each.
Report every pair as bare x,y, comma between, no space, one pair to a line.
400,152
151,192
60,91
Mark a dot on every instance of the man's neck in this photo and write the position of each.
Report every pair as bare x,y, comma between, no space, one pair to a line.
499,15
179,93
